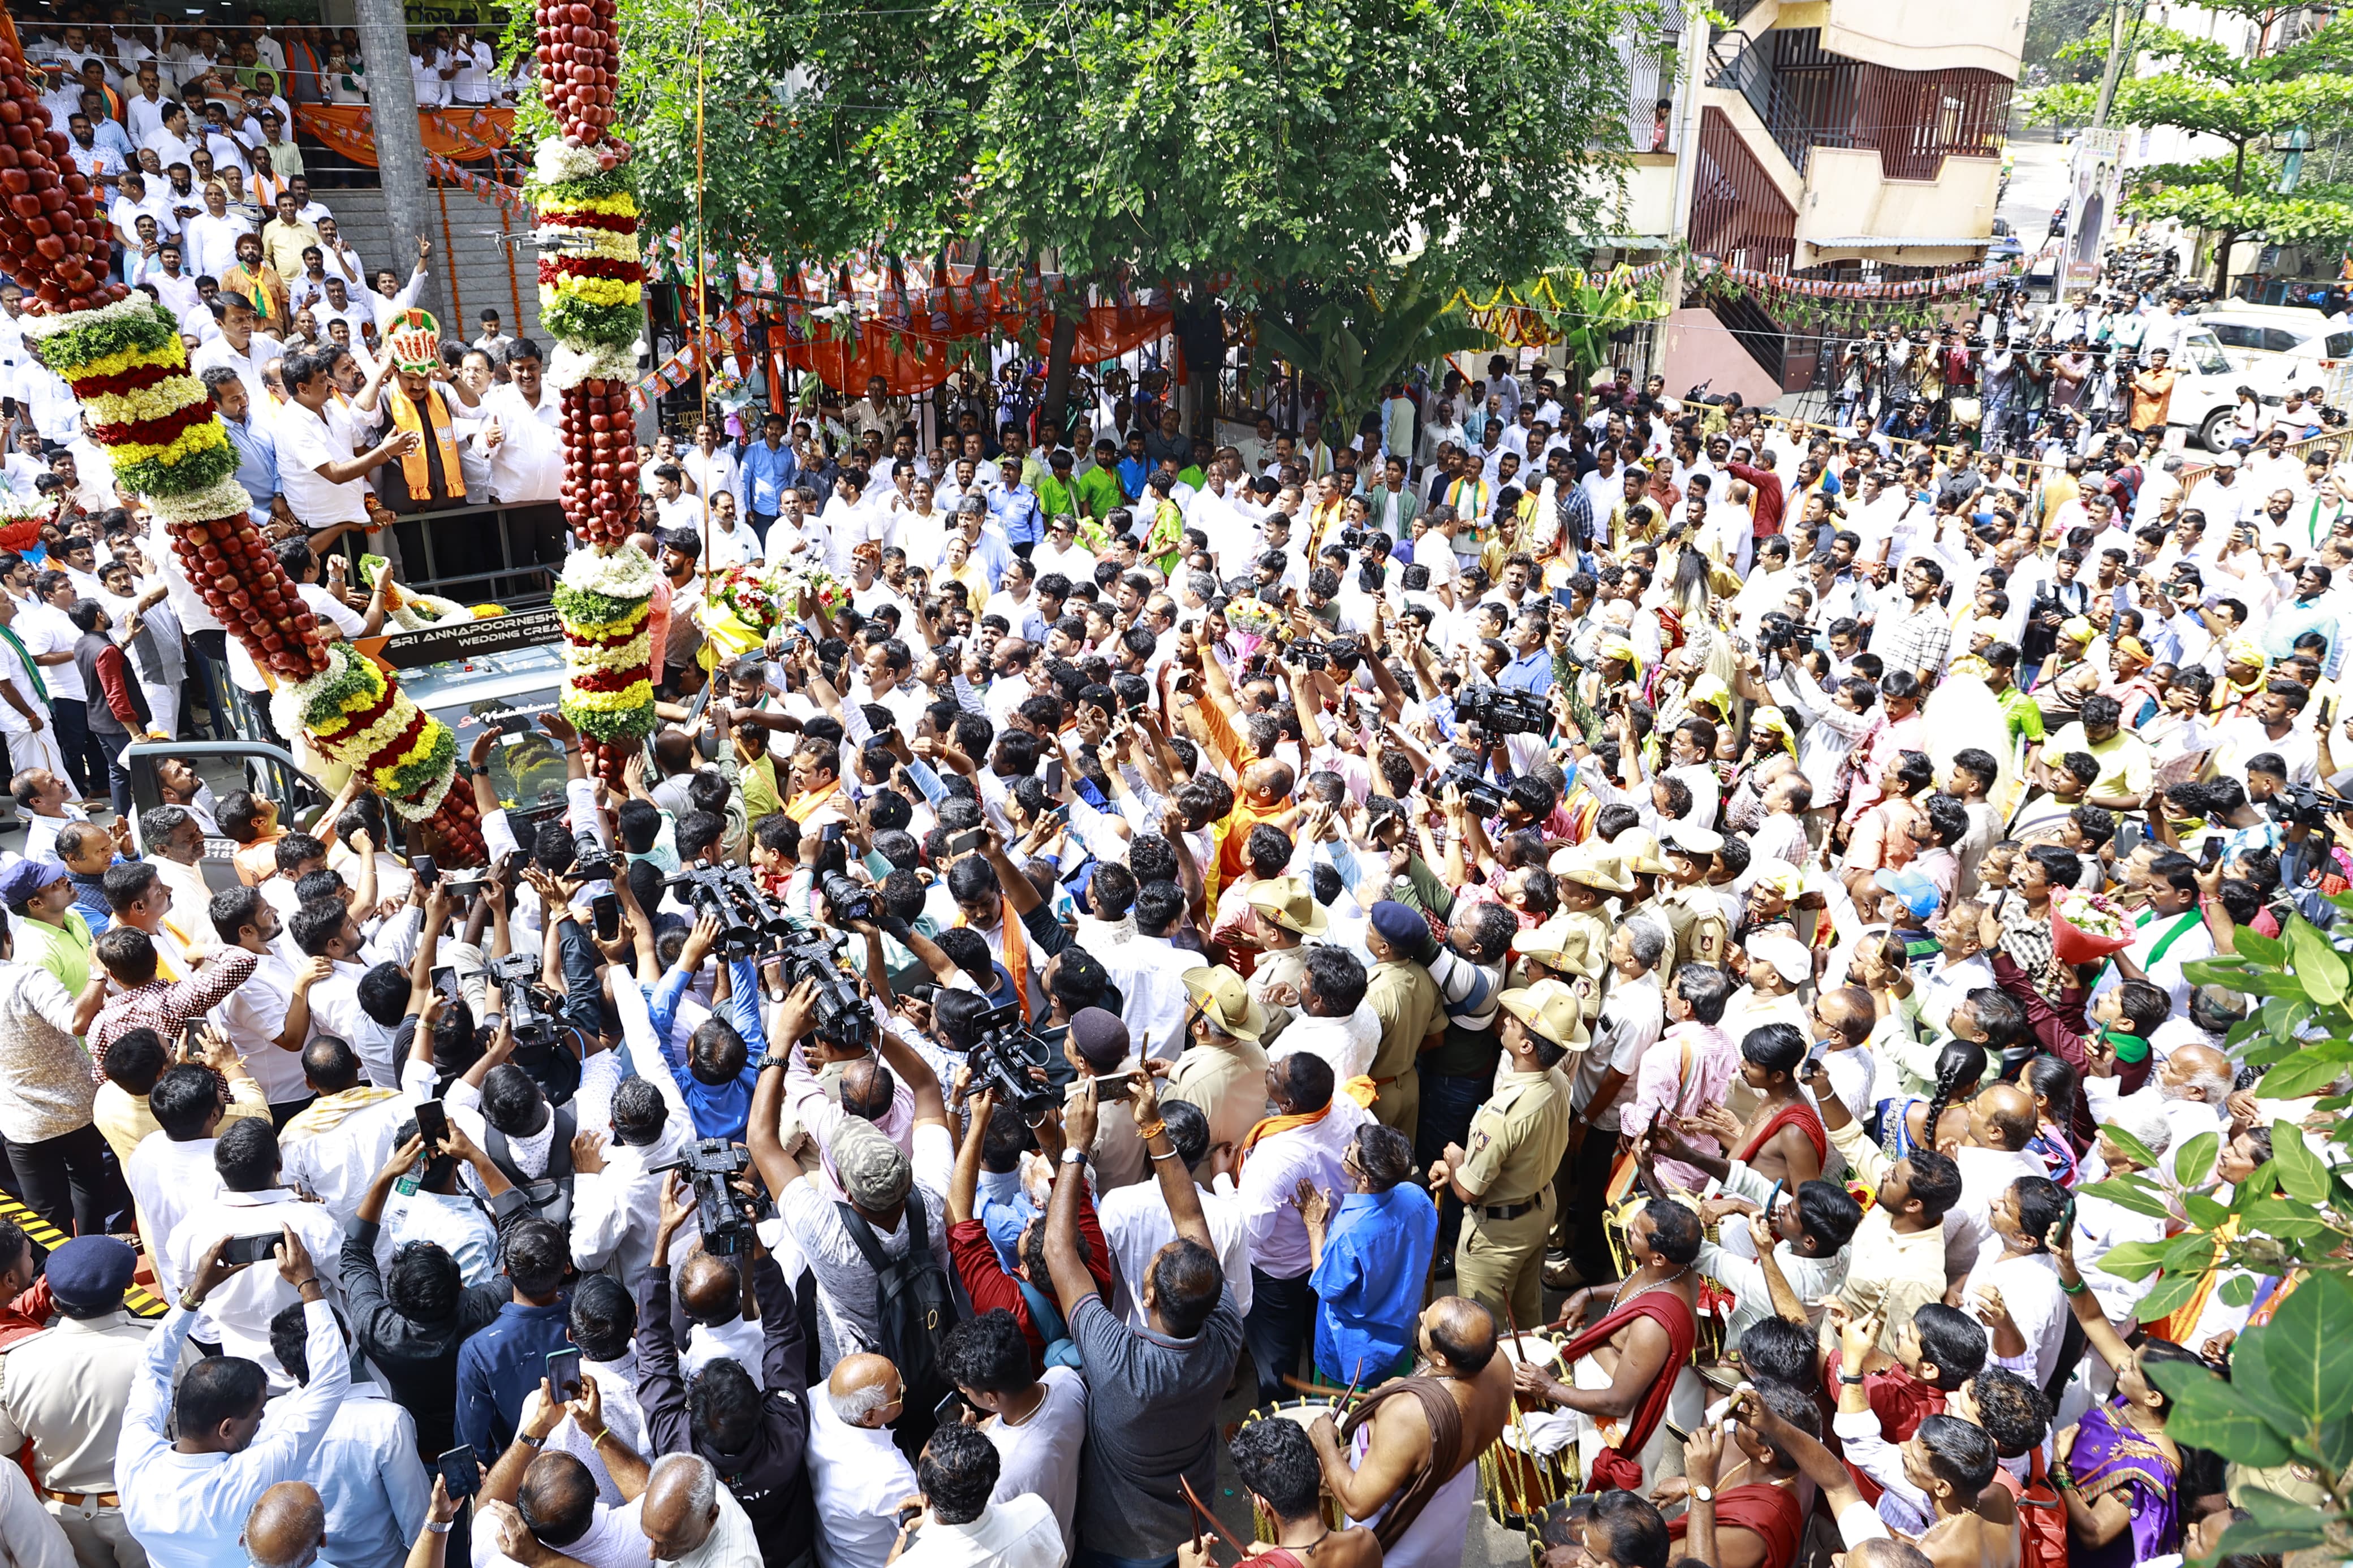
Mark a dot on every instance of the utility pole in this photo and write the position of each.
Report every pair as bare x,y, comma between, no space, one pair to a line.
2116,63
400,146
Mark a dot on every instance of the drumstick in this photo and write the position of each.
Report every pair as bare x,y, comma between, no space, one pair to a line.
1202,1508
1519,1422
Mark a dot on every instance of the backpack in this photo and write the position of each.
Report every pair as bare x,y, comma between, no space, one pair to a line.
550,1196
915,1304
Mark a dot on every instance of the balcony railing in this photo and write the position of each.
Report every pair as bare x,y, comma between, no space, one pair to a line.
1809,98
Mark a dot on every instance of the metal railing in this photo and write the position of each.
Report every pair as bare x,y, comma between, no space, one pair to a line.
1747,69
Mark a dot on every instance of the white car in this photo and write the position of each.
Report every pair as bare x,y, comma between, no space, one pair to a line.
2207,382
2306,347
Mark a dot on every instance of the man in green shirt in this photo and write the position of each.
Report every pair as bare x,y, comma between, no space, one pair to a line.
1057,494
2025,715
1098,489
49,931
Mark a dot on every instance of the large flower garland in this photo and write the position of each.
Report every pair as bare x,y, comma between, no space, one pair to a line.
592,302
605,601
122,356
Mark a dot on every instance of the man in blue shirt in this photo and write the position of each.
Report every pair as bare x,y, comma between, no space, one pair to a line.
767,469
718,1066
1371,1253
1014,507
257,449
1530,666
499,1367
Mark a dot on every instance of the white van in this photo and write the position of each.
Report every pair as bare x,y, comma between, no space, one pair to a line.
2206,386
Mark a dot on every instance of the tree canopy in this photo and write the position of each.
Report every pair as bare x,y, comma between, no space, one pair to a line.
2245,102
1259,141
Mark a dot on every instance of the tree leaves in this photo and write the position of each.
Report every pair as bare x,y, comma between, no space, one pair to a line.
2209,1413
2300,1169
2279,1525
2318,965
2194,1160
2304,1356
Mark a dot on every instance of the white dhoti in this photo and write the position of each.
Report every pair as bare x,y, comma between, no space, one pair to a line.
1686,1402
1435,1537
36,749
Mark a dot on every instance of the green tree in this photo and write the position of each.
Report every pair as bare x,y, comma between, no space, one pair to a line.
2289,1400
2246,103
1242,148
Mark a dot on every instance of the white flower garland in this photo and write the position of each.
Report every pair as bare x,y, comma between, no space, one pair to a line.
572,366
226,499
288,704
38,328
553,163
626,573
425,804
589,659
601,243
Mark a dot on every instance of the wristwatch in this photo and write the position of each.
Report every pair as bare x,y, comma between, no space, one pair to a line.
1703,1494
771,1059
1073,1156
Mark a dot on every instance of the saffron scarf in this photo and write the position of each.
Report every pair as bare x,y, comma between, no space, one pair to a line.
1362,1089
444,435
1016,953
801,808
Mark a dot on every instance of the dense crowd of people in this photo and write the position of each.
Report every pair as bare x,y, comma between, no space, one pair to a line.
1548,919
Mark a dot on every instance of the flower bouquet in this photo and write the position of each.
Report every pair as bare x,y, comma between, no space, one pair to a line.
752,598
21,521
2088,927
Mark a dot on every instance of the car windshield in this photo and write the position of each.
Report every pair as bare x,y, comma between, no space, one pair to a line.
2200,352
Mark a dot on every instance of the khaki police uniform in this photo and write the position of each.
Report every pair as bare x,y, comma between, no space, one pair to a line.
1696,915
1517,1139
1410,1008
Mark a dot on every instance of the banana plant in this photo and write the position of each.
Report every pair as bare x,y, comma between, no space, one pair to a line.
1590,317
1352,343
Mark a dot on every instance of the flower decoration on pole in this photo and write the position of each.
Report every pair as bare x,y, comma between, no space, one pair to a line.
592,302
121,354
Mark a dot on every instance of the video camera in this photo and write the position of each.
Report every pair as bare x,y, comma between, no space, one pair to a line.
1777,631
843,1019
729,895
2301,806
726,1215
517,978
1503,713
1478,796
1311,654
1003,1051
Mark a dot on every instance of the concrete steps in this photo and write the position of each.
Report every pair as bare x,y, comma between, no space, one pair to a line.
482,275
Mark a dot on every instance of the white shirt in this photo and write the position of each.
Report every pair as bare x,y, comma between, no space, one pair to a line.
2029,1283
370,1480
260,349
1278,1237
857,1476
34,1539
168,1181
614,1209
252,1017
1347,1044
1039,1459
730,1545
336,1165
1011,1532
188,1509
238,1310
335,1010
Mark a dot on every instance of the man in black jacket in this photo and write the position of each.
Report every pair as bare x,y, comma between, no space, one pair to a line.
411,1328
754,1433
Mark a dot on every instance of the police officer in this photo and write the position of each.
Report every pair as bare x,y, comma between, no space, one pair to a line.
1505,1178
1693,911
1283,919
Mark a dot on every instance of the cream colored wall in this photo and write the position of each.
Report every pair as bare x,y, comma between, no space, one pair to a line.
1926,34
1649,206
1845,195
1696,348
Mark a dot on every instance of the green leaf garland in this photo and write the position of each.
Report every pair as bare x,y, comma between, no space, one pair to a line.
577,321
579,607
65,352
199,470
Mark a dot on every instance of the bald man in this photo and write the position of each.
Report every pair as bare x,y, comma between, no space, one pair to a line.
855,1472
1988,1143
286,1527
719,1302
691,1521
1420,1473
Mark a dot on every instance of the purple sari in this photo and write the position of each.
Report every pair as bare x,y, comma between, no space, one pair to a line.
2111,1459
